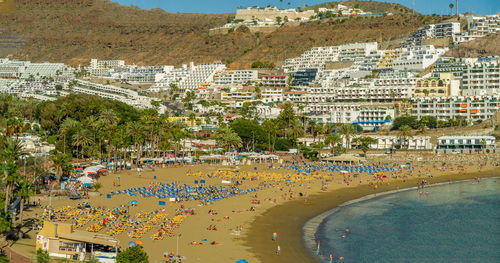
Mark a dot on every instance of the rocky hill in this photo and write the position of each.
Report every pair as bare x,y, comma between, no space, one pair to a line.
77,30
485,46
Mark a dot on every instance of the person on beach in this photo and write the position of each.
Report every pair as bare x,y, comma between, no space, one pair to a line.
278,250
275,236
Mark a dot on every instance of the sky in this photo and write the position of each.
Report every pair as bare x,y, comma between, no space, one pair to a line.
229,6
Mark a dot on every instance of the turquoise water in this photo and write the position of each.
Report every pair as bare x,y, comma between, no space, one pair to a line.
457,222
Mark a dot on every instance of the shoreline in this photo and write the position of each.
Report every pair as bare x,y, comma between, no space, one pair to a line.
291,218
311,226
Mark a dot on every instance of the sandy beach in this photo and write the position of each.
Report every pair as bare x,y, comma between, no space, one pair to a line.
244,223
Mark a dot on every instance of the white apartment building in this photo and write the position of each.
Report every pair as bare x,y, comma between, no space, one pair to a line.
371,93
200,75
271,13
40,70
392,142
274,81
12,68
440,30
103,68
418,57
366,116
343,10
481,78
356,51
232,77
447,29
466,144
317,57
237,96
446,108
171,76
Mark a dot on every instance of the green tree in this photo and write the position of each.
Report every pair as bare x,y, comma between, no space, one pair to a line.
24,191
132,255
333,139
405,120
11,153
404,134
347,130
365,142
227,138
42,256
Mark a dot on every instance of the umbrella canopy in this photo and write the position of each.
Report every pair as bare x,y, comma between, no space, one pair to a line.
134,202
241,261
139,243
85,180
131,244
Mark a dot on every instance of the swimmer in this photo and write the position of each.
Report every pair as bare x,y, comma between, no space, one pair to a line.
420,193
426,193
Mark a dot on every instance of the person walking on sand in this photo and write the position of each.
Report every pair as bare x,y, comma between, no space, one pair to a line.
275,236
278,250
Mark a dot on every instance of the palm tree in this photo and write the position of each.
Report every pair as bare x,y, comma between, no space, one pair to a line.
404,134
25,192
347,130
11,152
82,139
59,161
333,139
365,143
227,138
134,130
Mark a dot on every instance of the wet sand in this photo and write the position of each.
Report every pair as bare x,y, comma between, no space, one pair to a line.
288,219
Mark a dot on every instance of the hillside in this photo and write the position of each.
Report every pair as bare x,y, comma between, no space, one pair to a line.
75,31
485,46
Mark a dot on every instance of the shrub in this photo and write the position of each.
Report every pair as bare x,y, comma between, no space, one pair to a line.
132,255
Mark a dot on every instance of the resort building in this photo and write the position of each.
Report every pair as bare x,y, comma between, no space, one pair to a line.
481,78
271,14
444,86
465,144
200,75
103,68
440,30
304,77
418,57
62,241
446,108
274,81
232,77
12,68
317,58
456,66
367,116
237,96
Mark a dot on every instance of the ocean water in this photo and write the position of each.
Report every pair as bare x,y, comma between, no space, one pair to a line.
457,222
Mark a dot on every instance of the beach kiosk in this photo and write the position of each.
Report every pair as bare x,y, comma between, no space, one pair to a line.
61,240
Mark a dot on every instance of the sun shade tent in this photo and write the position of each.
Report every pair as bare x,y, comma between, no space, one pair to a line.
85,180
344,159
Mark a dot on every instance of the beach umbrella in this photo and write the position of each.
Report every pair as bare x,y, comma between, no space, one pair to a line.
241,261
134,202
132,244
139,243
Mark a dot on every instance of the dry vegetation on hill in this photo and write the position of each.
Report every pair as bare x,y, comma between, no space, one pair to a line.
485,46
77,30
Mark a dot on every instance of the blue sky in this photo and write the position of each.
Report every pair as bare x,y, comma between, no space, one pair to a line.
229,6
